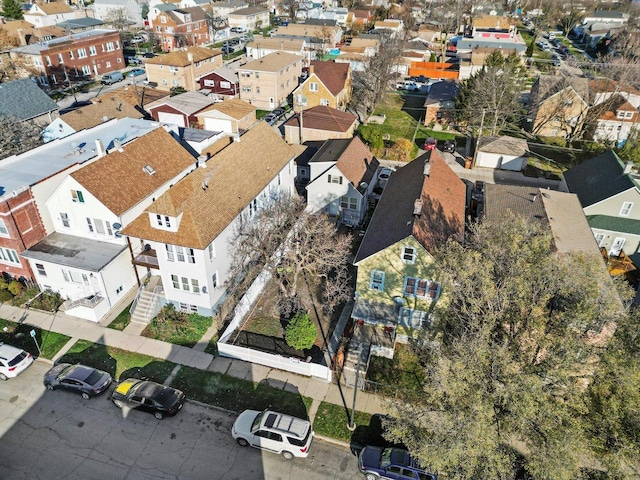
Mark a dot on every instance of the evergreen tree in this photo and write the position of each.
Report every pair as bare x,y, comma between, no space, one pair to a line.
11,9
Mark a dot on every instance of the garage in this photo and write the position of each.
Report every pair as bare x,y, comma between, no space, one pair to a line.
502,153
173,118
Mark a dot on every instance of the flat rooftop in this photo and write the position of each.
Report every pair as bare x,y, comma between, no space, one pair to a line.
20,172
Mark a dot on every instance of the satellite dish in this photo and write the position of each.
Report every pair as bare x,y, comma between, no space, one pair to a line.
117,226
204,289
364,184
147,247
117,234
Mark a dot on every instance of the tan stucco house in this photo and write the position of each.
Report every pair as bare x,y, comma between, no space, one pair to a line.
183,69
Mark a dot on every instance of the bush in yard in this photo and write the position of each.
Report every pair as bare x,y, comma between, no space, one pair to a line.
15,287
168,313
301,332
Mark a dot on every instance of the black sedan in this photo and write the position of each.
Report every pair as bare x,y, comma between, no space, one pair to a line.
84,380
148,396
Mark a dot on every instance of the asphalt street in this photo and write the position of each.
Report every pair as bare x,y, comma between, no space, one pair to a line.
57,435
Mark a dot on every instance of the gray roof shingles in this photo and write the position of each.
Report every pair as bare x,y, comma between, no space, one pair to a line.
24,99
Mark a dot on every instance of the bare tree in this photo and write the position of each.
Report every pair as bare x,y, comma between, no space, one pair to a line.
297,248
370,83
17,137
291,7
449,17
118,18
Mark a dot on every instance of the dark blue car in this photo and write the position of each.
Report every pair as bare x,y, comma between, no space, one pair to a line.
390,463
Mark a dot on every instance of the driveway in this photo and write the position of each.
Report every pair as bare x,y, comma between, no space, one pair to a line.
54,435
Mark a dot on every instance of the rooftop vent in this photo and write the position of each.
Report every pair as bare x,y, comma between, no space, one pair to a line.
427,168
149,169
417,207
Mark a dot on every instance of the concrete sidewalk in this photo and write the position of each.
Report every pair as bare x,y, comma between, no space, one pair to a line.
76,328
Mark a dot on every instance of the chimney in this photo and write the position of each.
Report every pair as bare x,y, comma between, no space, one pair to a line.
628,168
417,207
311,69
100,148
202,161
236,137
190,57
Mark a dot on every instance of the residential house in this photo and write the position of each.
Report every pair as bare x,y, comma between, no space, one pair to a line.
47,14
182,27
25,101
558,105
78,25
320,123
600,24
157,8
393,26
137,96
189,228
358,52
23,33
261,46
613,122
86,259
398,284
502,152
268,81
606,16
249,18
180,109
28,180
183,68
231,116
319,38
342,177
223,9
81,56
104,9
602,89
339,14
328,84
440,103
609,192
359,17
89,116
493,32
223,82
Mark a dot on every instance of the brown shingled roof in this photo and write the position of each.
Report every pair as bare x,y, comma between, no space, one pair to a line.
234,177
145,95
273,62
181,58
355,161
51,8
99,112
234,107
118,172
326,118
332,74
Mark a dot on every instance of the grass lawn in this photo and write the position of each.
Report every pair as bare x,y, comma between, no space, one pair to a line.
332,421
403,371
19,336
122,320
236,394
186,333
212,346
119,363
265,324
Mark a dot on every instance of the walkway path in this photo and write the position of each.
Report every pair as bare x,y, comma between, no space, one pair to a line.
195,357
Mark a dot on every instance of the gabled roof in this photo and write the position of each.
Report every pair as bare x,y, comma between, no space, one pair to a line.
230,74
128,93
442,92
187,103
332,74
325,118
99,112
614,224
53,8
442,195
24,99
599,178
255,10
234,108
181,58
274,62
84,22
196,13
549,85
503,145
231,179
607,85
165,7
282,43
118,172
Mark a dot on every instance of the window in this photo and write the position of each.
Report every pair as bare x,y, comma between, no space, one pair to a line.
334,179
76,196
60,59
9,256
89,225
257,89
109,230
174,280
348,202
85,279
119,289
626,209
212,252
191,257
3,229
99,226
86,70
82,53
324,102
169,249
71,54
47,60
110,47
167,221
246,89
214,279
65,275
65,220
408,254
195,286
92,50
185,283
599,238
193,308
377,280
159,220
421,288
41,270
313,87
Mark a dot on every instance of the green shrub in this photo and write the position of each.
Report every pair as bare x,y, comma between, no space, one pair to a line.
301,332
5,295
15,287
3,284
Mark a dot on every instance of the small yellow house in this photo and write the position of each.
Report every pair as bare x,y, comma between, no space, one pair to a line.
183,68
328,84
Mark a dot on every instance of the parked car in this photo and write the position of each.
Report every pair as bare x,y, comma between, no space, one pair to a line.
408,85
270,118
148,54
87,381
477,193
148,396
377,462
137,39
136,72
278,112
238,29
273,431
110,78
449,146
384,174
430,144
133,60
228,49
13,361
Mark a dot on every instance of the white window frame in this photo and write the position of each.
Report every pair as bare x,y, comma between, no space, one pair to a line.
409,254
170,254
82,53
41,270
376,281
599,238
175,281
92,50
180,253
4,231
64,217
337,179
626,209
313,86
214,280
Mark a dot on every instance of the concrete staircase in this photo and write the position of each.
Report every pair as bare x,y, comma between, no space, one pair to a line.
145,305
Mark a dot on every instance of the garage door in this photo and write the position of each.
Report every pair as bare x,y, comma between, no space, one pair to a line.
173,118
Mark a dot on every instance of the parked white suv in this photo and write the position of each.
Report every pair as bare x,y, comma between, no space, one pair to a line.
13,361
276,432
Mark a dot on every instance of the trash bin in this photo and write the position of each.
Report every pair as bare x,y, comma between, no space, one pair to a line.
467,163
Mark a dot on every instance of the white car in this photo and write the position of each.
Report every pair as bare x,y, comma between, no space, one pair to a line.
276,432
13,361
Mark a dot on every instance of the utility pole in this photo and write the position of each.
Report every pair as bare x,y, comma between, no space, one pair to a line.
475,151
415,132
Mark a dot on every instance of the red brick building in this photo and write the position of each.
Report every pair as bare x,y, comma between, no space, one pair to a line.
83,55
181,28
20,228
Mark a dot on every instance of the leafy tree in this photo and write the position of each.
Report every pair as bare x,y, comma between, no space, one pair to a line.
302,251
300,333
506,364
17,136
145,11
12,9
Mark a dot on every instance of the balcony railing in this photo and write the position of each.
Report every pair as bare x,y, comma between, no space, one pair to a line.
146,258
